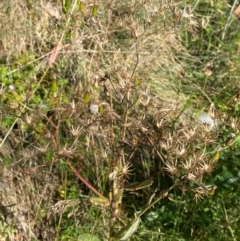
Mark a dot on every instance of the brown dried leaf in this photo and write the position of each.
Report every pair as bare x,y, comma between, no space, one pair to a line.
54,54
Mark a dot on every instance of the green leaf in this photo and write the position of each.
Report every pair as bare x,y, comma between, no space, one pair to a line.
81,7
100,201
94,10
101,110
137,186
136,81
86,97
65,5
127,232
54,87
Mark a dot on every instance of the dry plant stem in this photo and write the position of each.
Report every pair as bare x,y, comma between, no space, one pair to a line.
228,20
56,135
205,83
202,91
157,48
99,45
137,60
116,201
195,5
85,182
154,147
96,164
131,80
58,227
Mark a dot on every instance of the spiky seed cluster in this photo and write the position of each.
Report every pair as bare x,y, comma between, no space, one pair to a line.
127,170
42,149
67,151
28,154
185,149
75,131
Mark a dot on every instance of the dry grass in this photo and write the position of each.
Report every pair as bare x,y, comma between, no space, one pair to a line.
31,194
101,44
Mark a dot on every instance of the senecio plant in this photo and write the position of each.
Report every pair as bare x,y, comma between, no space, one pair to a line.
108,129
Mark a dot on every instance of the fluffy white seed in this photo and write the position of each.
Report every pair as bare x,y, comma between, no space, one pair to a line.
93,109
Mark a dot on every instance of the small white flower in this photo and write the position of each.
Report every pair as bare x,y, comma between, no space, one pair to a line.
93,109
206,119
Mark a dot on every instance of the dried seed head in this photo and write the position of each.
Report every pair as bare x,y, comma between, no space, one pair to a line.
43,149
189,133
29,119
28,154
167,144
191,177
203,190
75,131
207,167
181,150
67,151
206,120
172,168
189,165
126,170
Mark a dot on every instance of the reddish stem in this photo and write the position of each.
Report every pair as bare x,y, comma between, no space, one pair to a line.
85,182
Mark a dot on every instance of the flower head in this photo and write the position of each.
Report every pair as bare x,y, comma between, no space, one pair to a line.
206,119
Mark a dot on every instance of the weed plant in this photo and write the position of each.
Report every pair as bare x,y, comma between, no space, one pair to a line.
105,135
